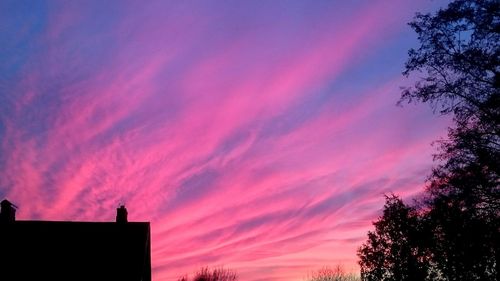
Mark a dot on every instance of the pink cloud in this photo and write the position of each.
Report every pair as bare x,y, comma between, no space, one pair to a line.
237,147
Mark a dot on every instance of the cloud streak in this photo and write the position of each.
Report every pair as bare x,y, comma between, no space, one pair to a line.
250,135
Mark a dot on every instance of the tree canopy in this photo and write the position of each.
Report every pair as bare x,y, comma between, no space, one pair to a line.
455,227
459,59
392,252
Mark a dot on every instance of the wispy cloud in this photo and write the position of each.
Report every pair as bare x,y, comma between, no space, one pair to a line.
250,134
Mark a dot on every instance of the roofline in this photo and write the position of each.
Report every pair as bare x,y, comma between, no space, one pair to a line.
81,222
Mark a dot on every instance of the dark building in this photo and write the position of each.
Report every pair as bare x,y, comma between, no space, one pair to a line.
63,250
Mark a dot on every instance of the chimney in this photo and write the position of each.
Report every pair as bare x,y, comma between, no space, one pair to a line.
121,214
7,211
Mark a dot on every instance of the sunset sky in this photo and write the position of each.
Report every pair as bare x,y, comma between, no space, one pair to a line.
255,135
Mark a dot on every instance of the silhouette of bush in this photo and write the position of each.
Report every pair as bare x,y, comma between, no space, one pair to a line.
216,274
336,273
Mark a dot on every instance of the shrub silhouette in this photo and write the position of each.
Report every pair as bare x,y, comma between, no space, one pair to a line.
216,274
336,273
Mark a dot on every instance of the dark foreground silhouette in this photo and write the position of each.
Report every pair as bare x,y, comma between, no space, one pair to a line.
63,250
336,273
452,233
216,274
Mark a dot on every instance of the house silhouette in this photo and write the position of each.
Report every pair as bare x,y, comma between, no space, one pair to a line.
66,250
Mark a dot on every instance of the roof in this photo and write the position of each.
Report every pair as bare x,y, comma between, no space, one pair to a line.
54,250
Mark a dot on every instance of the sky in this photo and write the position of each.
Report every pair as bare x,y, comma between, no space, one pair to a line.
256,135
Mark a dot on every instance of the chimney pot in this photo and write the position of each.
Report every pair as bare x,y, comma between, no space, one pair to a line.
7,211
121,214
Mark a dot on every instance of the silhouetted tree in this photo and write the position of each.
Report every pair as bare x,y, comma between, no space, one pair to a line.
456,227
462,245
459,57
393,251
217,274
332,274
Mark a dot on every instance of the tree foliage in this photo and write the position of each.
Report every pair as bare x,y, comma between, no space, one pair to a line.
459,57
459,60
453,233
392,252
